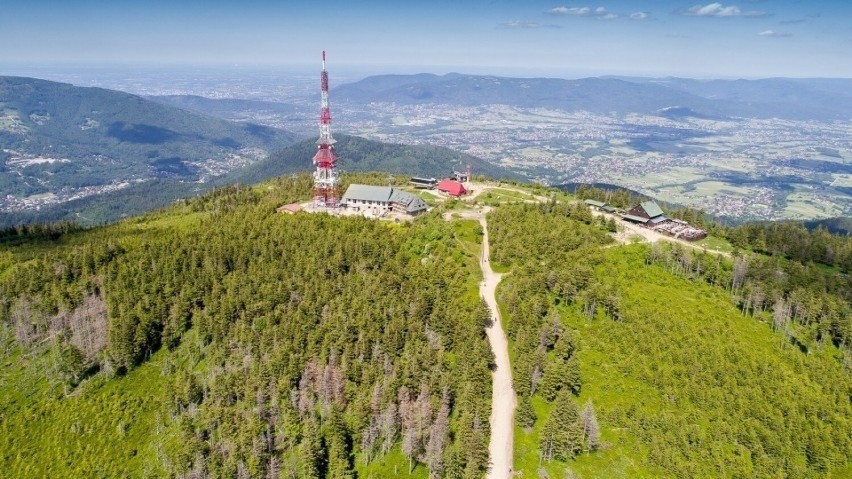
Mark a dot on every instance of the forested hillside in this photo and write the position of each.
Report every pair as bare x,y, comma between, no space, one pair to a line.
360,154
218,338
62,138
222,338
635,361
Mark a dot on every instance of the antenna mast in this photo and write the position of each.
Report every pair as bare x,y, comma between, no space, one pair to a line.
326,180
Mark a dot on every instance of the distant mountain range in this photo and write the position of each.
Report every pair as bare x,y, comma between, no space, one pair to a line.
57,138
130,154
786,98
795,99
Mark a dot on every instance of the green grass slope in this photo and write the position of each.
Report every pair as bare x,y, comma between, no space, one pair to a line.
705,391
683,385
107,428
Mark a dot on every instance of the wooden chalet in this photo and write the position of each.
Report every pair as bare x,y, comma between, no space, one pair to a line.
647,213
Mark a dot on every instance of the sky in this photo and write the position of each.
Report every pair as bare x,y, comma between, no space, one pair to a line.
689,38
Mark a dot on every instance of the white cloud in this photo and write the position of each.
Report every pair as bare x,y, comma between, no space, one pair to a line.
714,10
600,13
638,16
578,11
773,33
527,24
718,10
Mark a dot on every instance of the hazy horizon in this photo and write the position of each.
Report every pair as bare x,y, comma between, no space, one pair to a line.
693,39
348,72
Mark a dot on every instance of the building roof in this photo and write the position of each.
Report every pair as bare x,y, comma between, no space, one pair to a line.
652,208
417,179
658,219
635,218
412,203
452,187
290,208
599,204
385,194
608,209
367,193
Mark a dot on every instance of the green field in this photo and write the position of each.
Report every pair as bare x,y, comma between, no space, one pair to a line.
715,244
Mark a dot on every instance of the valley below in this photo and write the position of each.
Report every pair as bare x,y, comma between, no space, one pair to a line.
778,157
747,169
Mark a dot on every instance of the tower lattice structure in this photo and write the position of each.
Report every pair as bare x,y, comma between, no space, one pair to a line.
326,178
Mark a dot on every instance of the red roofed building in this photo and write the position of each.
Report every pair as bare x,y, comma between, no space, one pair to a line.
452,187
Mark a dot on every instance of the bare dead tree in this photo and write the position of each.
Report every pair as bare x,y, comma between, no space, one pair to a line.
408,420
591,429
369,437
322,385
24,317
781,317
438,438
389,427
89,326
424,419
535,378
273,469
739,273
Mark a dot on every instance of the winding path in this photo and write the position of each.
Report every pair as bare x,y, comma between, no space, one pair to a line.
503,400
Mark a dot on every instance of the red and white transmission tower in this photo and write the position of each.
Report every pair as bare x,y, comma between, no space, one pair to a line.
326,180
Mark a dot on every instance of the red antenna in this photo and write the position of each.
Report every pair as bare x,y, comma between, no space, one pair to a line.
326,180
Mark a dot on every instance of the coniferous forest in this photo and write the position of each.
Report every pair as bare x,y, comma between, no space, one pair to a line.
218,338
223,339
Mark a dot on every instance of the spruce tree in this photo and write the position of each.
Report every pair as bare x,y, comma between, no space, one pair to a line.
525,414
562,434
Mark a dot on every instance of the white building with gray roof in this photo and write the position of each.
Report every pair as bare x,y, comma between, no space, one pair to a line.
379,200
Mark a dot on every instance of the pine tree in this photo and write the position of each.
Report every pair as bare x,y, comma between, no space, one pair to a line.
454,463
337,440
572,375
562,434
553,380
525,414
312,451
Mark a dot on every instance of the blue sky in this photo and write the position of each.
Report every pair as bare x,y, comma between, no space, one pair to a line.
744,38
